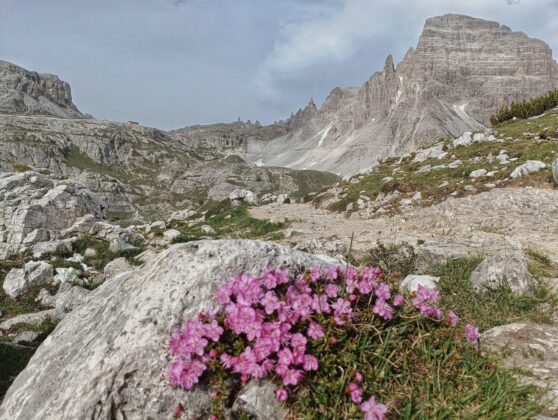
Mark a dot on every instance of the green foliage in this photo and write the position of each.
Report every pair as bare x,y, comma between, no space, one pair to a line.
19,167
491,308
103,254
526,109
419,370
13,360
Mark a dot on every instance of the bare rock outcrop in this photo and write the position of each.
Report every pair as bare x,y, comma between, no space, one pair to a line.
108,358
37,208
29,93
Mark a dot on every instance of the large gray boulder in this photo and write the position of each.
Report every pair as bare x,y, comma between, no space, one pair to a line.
108,358
37,208
502,270
555,170
34,273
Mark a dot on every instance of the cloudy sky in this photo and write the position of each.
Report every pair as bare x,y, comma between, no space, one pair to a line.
170,63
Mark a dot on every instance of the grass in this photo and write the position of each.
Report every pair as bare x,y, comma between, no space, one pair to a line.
20,167
103,254
228,222
422,372
491,308
12,361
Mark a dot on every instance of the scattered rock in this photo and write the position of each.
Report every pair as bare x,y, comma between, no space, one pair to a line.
283,199
555,170
528,167
70,299
464,140
90,253
35,318
498,270
117,266
478,173
170,234
34,273
455,164
243,196
413,281
208,230
67,275
430,153
118,246
26,337
181,215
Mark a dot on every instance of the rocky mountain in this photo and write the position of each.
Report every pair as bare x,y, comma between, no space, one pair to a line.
136,170
462,70
24,92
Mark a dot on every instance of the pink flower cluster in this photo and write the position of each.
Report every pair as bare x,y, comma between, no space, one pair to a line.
276,318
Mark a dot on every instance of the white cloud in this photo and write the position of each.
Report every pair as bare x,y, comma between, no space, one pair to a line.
336,33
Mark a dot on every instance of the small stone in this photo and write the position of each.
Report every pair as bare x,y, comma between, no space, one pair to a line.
208,230
413,281
171,234
26,337
90,253
478,173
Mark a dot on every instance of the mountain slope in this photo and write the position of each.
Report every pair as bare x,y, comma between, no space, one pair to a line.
462,70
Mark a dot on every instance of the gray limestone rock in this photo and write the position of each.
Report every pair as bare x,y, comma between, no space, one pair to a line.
112,351
555,170
26,337
531,348
117,266
257,398
413,281
35,207
502,270
528,167
34,273
31,93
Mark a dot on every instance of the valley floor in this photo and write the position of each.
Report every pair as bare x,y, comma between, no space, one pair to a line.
527,217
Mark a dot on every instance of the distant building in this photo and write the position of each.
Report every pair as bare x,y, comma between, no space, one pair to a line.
133,122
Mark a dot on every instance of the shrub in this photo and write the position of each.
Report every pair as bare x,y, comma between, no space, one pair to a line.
340,344
526,109
19,167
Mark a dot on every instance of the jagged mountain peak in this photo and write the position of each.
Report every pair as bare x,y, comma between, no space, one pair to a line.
461,71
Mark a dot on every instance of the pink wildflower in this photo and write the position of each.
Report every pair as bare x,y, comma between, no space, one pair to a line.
358,377
331,290
398,300
472,334
383,291
281,394
332,273
356,393
315,331
373,410
453,318
292,377
213,331
310,363
382,309
314,274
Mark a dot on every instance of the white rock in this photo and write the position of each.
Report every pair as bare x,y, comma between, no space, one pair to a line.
171,234
34,273
499,270
528,167
117,266
283,199
67,275
413,281
555,170
181,215
26,336
455,164
246,196
208,230
478,173
464,140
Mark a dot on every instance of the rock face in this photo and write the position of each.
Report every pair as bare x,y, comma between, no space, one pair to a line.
111,350
462,70
29,93
508,269
533,349
142,170
37,208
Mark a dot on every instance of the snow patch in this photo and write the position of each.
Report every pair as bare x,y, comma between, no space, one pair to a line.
398,96
324,134
259,162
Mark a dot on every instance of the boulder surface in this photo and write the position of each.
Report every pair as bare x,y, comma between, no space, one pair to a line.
108,358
